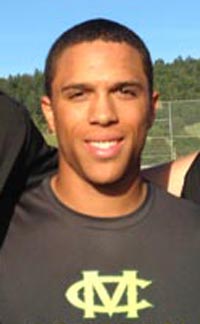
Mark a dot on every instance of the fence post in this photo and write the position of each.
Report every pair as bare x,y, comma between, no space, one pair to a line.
171,132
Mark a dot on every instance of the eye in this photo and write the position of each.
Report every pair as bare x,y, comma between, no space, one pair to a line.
126,92
75,94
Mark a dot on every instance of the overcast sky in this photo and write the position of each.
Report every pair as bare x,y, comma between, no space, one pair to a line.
28,28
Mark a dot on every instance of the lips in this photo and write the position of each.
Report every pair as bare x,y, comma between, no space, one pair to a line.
103,145
104,148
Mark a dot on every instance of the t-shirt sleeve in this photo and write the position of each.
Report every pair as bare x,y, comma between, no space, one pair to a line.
25,158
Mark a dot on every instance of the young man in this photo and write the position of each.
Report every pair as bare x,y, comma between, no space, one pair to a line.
95,243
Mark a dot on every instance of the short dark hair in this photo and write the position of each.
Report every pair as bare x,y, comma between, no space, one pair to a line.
92,30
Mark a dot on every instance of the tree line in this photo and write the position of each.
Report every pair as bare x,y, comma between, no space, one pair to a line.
179,79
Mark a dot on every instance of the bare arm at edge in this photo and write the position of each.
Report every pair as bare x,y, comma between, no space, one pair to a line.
170,176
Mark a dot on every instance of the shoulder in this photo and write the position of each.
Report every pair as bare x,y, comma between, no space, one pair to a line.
171,175
11,110
36,198
14,121
179,169
176,210
28,208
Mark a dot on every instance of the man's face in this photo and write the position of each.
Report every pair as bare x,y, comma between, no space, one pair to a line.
100,110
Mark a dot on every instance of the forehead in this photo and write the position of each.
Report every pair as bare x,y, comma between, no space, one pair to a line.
97,58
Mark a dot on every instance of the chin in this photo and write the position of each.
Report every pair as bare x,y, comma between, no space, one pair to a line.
103,181
111,181
103,176
110,174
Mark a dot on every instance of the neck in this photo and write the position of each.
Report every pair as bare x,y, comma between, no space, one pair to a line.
112,200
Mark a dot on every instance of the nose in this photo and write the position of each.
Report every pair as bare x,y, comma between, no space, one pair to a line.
103,111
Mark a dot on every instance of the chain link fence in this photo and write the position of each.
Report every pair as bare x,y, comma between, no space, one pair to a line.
176,132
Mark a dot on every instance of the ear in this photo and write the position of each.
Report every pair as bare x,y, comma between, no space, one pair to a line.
48,113
154,107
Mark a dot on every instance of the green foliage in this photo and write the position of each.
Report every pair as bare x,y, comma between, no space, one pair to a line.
179,79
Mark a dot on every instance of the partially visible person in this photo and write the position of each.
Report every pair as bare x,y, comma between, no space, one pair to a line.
180,177
25,158
95,242
24,154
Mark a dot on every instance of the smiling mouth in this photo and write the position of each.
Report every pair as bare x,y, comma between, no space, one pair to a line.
104,145
105,149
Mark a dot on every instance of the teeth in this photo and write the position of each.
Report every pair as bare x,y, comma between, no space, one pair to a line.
103,145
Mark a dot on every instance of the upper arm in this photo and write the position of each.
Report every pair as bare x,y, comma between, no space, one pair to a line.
170,176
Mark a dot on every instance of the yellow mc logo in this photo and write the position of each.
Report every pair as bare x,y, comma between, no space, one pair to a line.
93,284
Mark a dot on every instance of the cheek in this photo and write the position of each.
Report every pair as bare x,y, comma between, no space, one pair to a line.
70,134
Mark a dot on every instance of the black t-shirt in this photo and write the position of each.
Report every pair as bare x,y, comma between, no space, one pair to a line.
61,267
25,158
191,187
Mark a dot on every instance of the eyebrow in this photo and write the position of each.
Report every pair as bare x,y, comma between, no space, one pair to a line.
115,86
75,86
135,84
